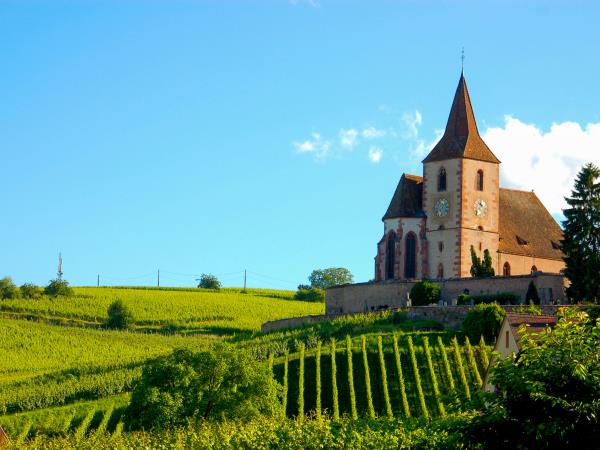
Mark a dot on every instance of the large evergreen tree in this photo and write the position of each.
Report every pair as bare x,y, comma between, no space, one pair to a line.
581,241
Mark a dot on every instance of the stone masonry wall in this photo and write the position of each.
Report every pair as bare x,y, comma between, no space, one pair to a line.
365,297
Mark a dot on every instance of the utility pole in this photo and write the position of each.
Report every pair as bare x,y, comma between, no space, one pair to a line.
244,279
98,281
158,279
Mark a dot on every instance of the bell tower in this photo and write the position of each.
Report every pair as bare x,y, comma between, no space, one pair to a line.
461,186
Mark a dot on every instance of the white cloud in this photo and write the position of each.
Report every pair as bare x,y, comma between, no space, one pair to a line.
546,162
412,122
316,146
372,133
375,154
348,138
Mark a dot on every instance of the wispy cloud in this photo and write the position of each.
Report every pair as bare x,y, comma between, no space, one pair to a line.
545,161
375,154
412,122
348,138
317,146
372,133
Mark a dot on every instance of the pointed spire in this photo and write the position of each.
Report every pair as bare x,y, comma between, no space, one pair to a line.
461,138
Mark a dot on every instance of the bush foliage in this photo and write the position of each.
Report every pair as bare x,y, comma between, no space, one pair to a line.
208,281
310,294
120,316
483,320
8,289
58,287
425,293
219,383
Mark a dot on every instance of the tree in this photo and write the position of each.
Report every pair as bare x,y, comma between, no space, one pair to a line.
549,395
333,276
483,320
425,293
220,383
481,269
581,240
8,289
208,281
310,294
58,287
29,290
120,316
532,295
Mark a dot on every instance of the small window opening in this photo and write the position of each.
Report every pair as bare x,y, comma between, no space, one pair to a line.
441,246
442,180
506,339
480,180
521,241
533,270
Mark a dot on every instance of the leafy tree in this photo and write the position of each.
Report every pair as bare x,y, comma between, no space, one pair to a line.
310,294
220,383
549,396
333,276
581,241
532,295
29,290
8,289
58,287
483,320
120,316
424,293
208,281
479,268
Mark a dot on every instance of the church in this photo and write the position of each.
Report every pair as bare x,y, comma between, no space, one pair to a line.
435,218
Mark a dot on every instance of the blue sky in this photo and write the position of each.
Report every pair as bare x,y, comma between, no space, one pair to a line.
212,137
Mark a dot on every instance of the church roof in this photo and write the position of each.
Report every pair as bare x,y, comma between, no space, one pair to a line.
408,198
526,226
461,138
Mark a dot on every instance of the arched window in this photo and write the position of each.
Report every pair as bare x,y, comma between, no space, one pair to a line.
390,256
441,246
442,180
506,270
440,271
410,261
480,180
533,270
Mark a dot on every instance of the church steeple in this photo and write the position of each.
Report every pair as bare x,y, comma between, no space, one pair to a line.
461,138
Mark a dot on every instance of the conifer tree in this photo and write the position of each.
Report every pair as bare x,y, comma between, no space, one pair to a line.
581,241
479,268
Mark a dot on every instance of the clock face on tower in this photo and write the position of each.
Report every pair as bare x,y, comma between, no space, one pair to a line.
480,208
442,207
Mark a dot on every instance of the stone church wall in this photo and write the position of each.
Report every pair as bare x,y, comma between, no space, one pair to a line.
521,265
365,297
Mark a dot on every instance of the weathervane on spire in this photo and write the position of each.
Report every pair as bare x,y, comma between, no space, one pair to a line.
462,60
59,273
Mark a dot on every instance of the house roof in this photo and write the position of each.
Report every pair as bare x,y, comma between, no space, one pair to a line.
461,138
526,226
408,198
533,324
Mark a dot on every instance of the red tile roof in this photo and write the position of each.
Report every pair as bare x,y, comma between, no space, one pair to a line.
526,226
533,323
408,198
461,138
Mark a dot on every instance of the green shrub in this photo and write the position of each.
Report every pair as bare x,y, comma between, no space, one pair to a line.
502,298
310,294
8,289
483,320
424,293
120,316
531,309
532,295
31,291
208,281
58,287
463,299
219,383
399,317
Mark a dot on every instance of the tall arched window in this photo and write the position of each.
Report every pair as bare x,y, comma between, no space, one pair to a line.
506,270
390,256
533,270
410,261
480,180
442,180
440,271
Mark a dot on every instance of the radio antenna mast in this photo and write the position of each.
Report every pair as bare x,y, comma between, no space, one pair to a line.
59,273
